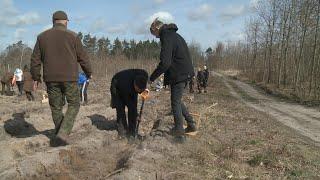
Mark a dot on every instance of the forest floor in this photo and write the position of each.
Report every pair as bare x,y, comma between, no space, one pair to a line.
243,134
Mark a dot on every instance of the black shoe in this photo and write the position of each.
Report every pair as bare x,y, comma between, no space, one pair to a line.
180,139
175,132
57,141
190,128
121,130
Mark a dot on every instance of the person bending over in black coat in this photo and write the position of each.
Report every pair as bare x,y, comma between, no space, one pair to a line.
125,86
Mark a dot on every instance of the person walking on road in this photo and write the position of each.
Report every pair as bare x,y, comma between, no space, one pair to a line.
200,80
206,78
176,64
59,51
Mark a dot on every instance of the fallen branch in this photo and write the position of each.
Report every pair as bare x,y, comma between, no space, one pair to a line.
115,172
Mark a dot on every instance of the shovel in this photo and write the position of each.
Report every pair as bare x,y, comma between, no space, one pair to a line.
144,95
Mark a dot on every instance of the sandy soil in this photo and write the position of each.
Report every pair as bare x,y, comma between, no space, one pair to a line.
234,141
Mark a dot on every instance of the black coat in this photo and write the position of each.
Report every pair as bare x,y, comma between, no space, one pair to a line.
175,60
122,89
206,75
200,76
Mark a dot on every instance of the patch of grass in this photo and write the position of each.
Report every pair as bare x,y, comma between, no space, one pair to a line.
255,142
295,173
267,159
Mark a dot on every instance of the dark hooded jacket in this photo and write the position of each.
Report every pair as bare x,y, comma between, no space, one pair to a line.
122,88
175,60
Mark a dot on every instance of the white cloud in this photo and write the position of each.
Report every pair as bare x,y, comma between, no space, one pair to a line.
10,16
200,13
234,36
120,28
159,1
98,25
19,33
7,8
232,12
79,18
29,18
163,16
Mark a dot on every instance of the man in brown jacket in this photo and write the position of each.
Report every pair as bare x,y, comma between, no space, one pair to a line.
59,51
28,83
6,83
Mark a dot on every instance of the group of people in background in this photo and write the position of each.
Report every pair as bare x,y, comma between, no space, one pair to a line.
202,80
22,79
24,82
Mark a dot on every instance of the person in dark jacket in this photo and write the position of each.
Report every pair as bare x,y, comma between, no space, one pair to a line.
83,83
6,83
176,64
191,85
60,52
125,86
28,83
206,78
200,79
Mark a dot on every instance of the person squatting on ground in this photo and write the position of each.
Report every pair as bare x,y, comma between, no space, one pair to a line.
83,83
206,78
28,83
125,86
176,64
6,83
59,51
18,80
200,79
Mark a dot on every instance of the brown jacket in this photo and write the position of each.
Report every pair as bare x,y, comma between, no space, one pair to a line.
27,81
7,78
59,50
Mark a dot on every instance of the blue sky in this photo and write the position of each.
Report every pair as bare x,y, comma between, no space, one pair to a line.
201,21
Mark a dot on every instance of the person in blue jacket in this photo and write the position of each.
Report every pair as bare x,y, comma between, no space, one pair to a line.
83,83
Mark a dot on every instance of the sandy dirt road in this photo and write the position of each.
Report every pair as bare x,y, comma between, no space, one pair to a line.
304,120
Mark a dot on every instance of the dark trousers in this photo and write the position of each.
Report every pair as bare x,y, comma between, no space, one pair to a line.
30,96
57,92
5,88
83,92
200,85
179,110
20,86
205,84
191,84
130,126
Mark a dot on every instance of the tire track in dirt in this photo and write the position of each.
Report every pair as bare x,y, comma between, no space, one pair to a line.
306,121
